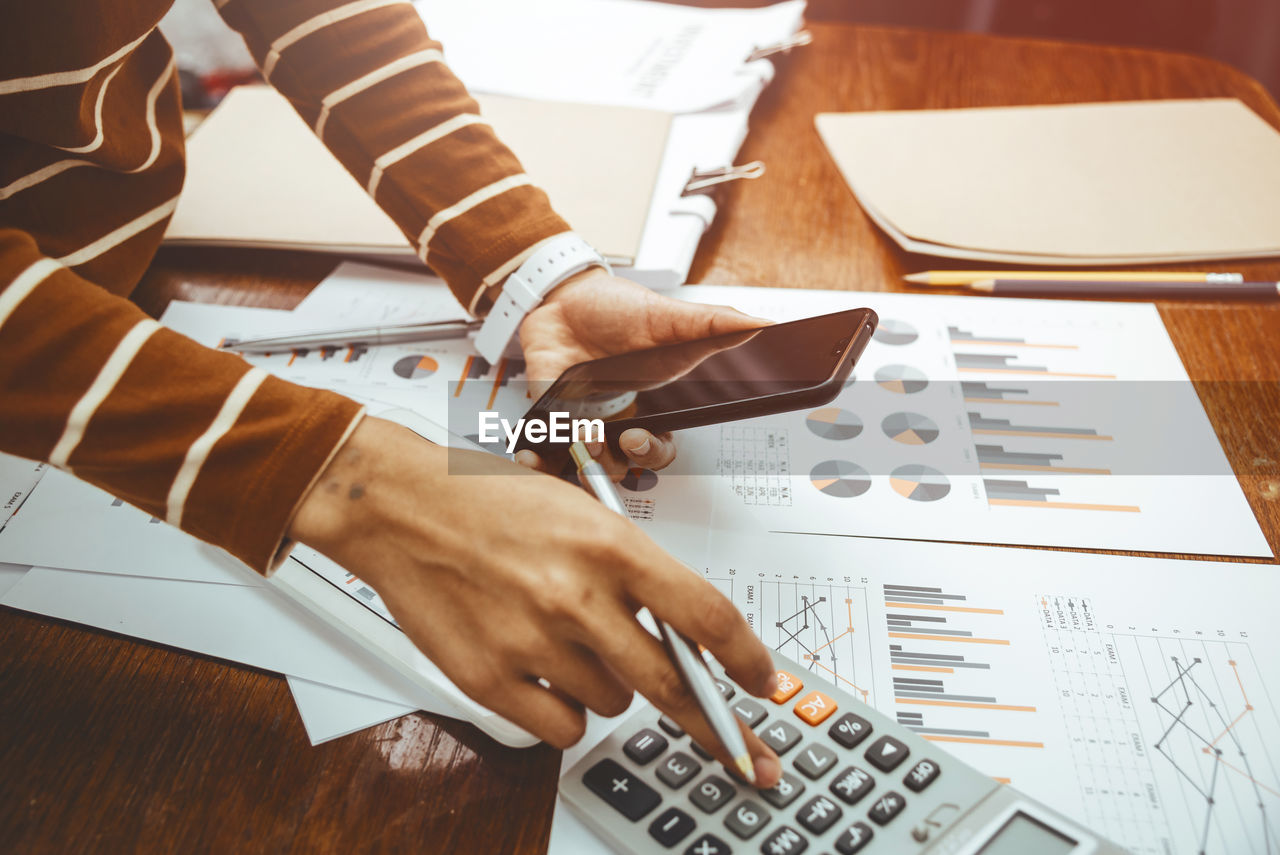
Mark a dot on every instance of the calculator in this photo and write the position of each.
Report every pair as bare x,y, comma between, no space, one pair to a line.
853,781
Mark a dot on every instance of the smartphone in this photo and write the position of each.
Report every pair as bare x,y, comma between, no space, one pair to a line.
723,378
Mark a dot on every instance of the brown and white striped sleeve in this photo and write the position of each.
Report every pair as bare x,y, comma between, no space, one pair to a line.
366,77
195,437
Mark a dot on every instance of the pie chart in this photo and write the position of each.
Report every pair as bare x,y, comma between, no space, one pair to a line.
415,367
902,379
909,428
834,423
840,478
895,332
919,483
639,480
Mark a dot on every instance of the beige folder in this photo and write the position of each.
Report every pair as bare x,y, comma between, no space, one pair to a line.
1116,183
257,176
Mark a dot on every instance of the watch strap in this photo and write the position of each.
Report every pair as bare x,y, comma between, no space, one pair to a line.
552,262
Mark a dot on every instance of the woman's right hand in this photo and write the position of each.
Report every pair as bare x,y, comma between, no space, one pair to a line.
503,576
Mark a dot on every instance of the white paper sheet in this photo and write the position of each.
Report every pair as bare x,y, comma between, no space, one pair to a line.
640,54
18,478
257,627
1101,685
1143,470
328,712
10,574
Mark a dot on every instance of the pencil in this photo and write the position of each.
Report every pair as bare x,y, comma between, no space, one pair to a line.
1137,288
953,278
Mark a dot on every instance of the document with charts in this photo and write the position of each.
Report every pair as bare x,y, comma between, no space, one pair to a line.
1136,695
980,420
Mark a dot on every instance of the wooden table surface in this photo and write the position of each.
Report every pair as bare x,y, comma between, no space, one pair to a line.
109,745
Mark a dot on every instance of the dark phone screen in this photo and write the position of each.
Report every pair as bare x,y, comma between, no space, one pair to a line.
772,360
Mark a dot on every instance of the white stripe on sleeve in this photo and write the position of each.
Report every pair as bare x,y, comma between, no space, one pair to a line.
109,375
23,284
199,450
66,78
360,84
484,194
319,22
115,238
422,140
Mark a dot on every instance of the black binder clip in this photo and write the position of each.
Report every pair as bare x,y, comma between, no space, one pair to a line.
800,39
704,181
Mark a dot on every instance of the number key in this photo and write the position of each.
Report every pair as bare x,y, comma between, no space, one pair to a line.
815,760
783,793
711,793
677,769
781,736
747,818
815,707
749,711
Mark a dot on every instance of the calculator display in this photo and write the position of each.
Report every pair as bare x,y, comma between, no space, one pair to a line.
1022,834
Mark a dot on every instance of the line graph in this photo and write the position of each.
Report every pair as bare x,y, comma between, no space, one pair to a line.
820,623
1166,731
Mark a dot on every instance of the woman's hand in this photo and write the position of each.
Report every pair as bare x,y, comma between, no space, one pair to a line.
503,576
592,315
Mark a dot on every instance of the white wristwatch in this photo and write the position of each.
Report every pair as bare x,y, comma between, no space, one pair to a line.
554,261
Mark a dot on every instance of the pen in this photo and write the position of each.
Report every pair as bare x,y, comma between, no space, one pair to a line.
1149,289
365,336
682,651
968,277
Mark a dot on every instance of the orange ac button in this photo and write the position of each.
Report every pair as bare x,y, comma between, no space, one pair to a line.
815,707
788,685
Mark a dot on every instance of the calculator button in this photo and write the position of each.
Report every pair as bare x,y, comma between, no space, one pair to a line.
671,826
815,760
783,793
852,785
668,724
781,736
788,685
784,841
850,729
819,814
711,793
855,837
922,775
886,753
815,707
700,751
708,844
645,745
746,818
727,691
625,792
749,711
677,769
886,808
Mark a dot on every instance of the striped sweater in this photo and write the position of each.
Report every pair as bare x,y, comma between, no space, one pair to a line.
91,164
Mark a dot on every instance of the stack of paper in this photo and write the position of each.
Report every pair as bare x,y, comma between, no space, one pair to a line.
669,94
1080,184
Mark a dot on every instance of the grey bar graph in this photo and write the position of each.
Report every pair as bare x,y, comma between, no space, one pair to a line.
958,334
1017,490
977,421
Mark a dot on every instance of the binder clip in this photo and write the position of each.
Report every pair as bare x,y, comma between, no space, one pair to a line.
800,39
704,181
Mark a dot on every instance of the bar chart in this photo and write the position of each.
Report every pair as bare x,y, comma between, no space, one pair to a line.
947,654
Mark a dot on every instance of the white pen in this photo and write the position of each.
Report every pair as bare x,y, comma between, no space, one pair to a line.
358,336
683,652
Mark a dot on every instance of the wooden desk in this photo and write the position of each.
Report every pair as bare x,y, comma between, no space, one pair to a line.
110,745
